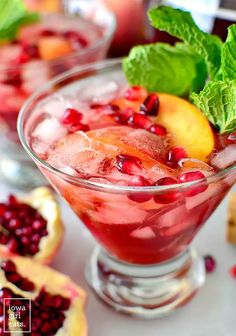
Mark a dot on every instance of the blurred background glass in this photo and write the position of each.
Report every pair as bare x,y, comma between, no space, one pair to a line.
213,16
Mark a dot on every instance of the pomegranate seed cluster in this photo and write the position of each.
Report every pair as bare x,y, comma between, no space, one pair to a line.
47,310
22,227
131,165
12,276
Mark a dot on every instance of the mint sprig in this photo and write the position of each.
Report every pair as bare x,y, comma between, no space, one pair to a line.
218,103
159,67
13,15
228,57
184,68
180,24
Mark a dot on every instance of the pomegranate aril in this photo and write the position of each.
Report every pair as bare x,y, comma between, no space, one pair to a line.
76,38
138,120
166,197
190,177
139,197
210,263
13,245
48,32
8,266
26,285
158,130
65,304
78,127
31,50
25,240
35,238
13,77
134,93
128,164
38,225
4,238
71,116
123,116
46,327
13,277
14,223
232,271
22,58
175,155
150,106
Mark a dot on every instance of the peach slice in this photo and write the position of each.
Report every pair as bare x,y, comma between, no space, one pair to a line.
187,125
53,47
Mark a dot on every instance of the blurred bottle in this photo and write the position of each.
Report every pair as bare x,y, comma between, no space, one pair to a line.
43,5
132,24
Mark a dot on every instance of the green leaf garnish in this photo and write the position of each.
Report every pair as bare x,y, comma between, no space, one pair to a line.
218,103
13,15
228,57
180,24
159,67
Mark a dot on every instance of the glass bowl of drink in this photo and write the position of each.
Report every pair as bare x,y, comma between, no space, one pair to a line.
107,148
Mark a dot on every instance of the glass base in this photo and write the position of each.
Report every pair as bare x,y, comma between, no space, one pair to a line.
145,291
22,175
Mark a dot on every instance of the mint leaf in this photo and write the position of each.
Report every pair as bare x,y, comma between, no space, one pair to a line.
13,15
217,102
180,24
163,68
228,57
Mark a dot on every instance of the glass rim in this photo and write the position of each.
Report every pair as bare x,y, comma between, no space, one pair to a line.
108,33
90,184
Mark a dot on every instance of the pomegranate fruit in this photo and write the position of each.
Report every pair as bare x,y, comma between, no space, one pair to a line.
53,301
31,226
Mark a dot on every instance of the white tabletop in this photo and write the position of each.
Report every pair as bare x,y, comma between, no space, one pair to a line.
211,313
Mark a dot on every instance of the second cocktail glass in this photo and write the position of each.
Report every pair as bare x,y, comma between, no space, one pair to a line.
144,265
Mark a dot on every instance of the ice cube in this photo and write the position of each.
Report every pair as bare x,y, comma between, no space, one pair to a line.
47,132
225,157
143,233
55,105
187,165
99,91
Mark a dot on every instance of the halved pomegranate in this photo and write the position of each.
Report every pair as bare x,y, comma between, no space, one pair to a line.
44,301
31,226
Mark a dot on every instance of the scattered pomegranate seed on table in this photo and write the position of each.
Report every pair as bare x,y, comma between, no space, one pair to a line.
232,271
210,263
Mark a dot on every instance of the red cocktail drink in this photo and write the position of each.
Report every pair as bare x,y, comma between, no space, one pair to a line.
115,154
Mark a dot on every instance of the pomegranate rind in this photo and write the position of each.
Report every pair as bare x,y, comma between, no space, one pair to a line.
54,283
43,200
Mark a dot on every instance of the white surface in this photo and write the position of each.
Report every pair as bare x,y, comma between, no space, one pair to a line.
211,313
